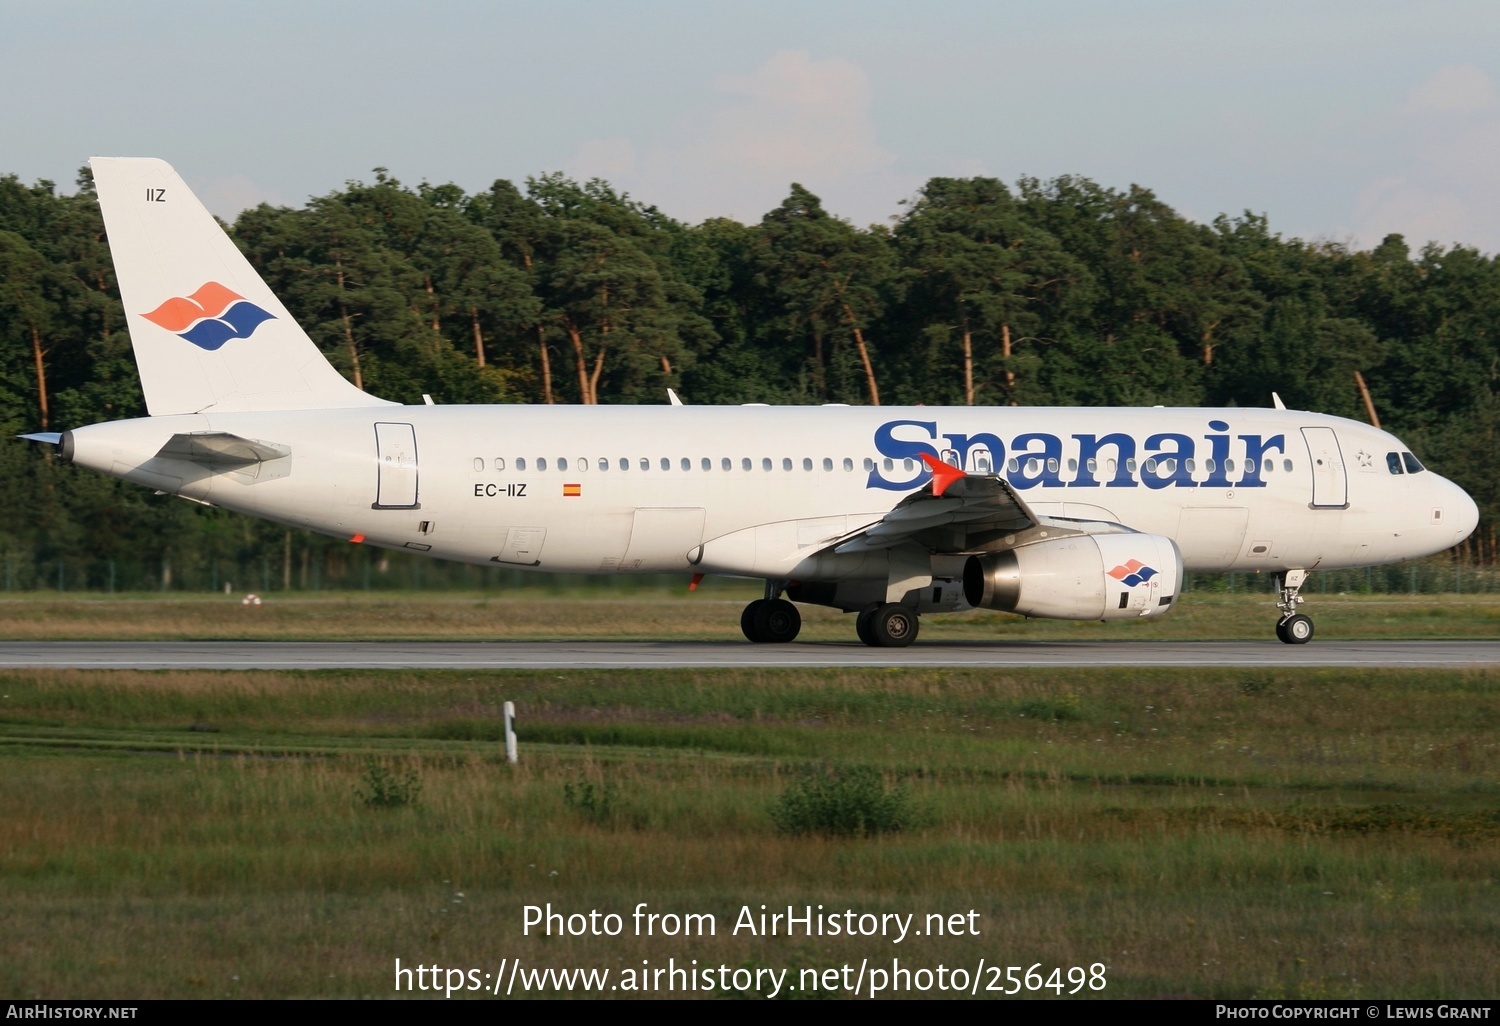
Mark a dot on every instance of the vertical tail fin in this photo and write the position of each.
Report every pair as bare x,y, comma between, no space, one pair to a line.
208,333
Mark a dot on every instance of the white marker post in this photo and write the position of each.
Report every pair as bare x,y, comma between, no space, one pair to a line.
510,733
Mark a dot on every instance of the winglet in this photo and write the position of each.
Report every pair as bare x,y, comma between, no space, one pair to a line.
672,398
1277,400
943,474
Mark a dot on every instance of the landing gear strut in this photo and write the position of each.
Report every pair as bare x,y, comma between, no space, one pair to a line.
771,620
1293,628
889,626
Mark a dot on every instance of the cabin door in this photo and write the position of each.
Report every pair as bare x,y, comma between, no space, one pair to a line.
396,456
1330,485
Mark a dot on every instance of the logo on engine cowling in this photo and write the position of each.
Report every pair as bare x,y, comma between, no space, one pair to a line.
1133,572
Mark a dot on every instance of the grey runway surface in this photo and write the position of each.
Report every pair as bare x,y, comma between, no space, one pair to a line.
595,655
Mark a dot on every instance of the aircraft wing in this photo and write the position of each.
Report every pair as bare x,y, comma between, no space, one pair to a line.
954,512
958,512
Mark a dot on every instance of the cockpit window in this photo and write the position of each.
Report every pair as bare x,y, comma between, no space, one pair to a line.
1412,466
1393,462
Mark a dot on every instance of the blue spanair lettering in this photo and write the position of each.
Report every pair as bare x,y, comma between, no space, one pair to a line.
1088,449
1218,456
1255,448
1036,466
965,444
891,447
1180,475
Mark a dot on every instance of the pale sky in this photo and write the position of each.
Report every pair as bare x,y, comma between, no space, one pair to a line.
1339,120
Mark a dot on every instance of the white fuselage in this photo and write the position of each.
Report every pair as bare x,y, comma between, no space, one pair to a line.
754,491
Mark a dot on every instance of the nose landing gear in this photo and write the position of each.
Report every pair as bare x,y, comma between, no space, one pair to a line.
1293,628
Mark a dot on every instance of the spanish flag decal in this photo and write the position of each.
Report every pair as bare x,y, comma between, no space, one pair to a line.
572,490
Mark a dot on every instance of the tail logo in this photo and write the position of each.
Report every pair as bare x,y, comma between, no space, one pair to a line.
1132,572
209,317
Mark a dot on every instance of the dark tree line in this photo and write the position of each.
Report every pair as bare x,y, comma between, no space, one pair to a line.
1059,292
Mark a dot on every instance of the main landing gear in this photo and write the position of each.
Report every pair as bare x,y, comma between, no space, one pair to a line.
774,620
1293,628
889,626
771,620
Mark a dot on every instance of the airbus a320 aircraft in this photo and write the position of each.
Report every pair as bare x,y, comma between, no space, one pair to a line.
1087,514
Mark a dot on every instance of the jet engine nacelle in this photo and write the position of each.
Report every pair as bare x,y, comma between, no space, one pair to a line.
1088,577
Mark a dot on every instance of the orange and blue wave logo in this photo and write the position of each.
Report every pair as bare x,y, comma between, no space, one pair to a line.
1132,572
209,317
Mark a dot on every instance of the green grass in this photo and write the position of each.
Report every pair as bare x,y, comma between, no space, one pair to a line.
1209,833
710,614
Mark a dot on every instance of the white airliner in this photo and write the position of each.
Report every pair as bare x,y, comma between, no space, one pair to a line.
1088,514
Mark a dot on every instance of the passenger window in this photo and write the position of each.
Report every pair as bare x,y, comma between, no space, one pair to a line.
625,463
478,464
848,464
666,463
908,465
1150,465
562,463
1286,465
1130,465
1169,466
583,464
687,464
1210,466
1412,466
745,463
890,464
520,462
1092,466
1072,465
604,463
806,463
1190,465
541,463
1229,466
827,464
1013,466
1051,466
983,465
1393,462
707,463
499,462
765,463
1268,465
786,463
869,463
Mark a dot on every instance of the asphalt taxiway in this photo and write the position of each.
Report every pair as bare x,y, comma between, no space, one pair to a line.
602,655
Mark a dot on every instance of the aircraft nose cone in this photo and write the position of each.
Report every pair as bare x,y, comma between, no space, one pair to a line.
1465,513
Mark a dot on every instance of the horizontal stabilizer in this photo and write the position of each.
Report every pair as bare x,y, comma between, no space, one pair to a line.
221,449
49,437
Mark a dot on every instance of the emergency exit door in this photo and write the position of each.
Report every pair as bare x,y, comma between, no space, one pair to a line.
396,456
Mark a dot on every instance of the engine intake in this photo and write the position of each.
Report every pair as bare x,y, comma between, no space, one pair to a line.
1088,577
